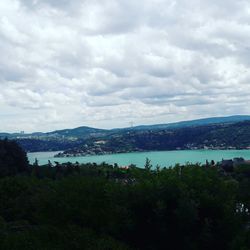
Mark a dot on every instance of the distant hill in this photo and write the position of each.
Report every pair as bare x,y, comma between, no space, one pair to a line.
3,135
80,132
198,122
84,131
71,138
212,136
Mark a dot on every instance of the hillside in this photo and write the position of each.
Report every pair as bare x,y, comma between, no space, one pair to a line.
209,132
216,136
198,122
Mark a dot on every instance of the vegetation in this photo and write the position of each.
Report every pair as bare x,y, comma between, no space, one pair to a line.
217,136
208,133
13,159
48,144
72,206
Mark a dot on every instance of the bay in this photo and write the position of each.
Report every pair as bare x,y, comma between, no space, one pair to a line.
162,158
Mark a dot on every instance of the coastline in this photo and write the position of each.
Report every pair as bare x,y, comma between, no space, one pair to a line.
85,154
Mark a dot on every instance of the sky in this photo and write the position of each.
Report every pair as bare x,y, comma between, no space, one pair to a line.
107,63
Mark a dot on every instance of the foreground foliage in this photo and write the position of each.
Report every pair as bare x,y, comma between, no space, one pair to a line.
91,206
89,209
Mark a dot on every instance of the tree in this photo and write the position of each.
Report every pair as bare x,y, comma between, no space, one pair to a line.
13,159
148,164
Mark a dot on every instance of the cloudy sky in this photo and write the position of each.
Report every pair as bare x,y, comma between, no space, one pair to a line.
105,63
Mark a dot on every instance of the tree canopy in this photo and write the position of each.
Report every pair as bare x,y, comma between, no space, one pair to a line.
90,206
13,159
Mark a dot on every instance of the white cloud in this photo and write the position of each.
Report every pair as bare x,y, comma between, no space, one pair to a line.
105,63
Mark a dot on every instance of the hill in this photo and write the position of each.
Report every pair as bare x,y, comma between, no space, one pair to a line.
214,136
197,122
185,134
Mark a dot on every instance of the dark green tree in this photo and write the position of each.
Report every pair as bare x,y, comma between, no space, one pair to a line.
148,164
13,159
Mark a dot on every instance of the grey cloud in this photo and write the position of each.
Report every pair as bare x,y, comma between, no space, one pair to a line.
82,62
61,4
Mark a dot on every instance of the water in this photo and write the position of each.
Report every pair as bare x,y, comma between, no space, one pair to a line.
163,158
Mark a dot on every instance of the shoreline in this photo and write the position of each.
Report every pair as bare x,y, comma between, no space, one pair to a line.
62,155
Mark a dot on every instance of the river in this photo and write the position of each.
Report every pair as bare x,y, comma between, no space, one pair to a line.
162,158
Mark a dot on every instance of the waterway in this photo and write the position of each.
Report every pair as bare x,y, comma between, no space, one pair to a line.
162,158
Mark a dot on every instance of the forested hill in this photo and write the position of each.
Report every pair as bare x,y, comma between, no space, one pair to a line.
216,136
84,132
199,122
215,133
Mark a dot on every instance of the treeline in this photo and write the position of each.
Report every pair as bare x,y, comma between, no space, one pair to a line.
90,206
40,145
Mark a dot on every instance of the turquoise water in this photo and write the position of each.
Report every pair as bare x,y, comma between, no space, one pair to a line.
163,158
